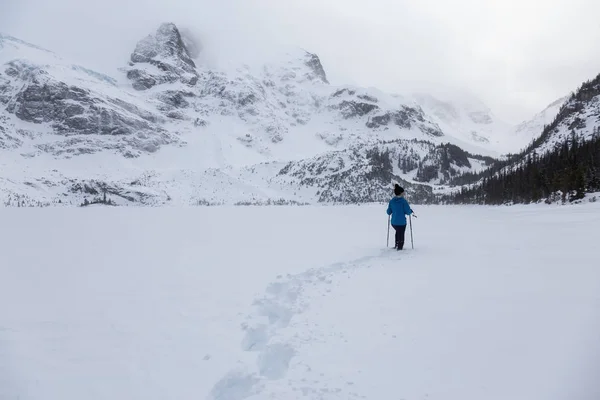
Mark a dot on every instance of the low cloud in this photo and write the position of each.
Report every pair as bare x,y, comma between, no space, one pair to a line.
516,55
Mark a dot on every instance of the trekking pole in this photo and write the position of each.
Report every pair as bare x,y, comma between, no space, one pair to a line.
411,235
388,237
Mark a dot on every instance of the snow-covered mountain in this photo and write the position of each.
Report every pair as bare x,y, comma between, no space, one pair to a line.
468,119
559,164
528,130
577,115
166,128
61,109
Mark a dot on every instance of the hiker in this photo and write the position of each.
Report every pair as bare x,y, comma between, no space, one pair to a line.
398,208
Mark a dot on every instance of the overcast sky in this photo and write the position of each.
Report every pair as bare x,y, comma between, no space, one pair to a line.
515,55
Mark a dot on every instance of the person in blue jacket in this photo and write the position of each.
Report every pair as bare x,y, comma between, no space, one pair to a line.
399,208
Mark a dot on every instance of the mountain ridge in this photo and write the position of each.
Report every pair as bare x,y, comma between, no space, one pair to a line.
71,132
561,163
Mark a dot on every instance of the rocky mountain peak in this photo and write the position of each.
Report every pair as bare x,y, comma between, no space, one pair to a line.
167,52
166,43
314,63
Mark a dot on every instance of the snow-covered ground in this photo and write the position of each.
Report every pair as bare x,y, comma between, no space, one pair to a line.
235,303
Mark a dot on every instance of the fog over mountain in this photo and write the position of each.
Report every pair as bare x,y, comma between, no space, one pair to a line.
517,68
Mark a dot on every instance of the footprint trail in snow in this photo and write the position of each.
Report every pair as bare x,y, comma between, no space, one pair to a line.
269,333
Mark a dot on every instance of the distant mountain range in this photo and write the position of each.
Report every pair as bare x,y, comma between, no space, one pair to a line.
561,164
166,129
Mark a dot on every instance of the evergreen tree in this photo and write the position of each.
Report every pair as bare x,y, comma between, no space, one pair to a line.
572,168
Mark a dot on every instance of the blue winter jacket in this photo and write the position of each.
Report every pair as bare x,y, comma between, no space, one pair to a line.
398,208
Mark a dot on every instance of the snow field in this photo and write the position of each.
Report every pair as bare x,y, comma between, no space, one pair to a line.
299,302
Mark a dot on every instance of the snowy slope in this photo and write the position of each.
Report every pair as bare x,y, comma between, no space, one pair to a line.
362,173
569,119
69,132
184,307
529,130
578,116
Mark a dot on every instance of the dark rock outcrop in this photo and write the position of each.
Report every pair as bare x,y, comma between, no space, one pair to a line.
7,141
354,109
314,63
162,58
175,99
74,110
340,92
33,95
407,118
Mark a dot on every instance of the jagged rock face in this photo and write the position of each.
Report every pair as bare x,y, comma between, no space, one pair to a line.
353,109
166,43
169,57
6,141
352,104
33,95
314,63
406,118
10,136
235,93
73,110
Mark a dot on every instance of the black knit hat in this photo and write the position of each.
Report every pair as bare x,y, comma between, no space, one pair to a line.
398,190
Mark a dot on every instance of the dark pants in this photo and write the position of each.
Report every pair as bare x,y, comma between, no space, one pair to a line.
400,229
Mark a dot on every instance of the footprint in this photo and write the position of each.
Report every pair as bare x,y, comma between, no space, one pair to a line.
277,287
235,386
277,314
274,362
255,339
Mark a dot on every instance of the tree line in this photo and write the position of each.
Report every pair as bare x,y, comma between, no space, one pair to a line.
571,169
